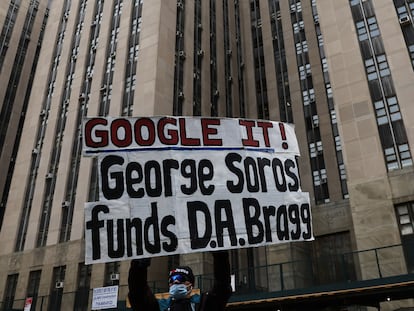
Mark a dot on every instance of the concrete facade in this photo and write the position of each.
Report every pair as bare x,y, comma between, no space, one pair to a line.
363,217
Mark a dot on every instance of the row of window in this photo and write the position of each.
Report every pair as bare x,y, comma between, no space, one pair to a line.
214,93
41,131
179,60
259,61
197,64
130,72
227,61
199,60
68,204
106,89
331,105
8,106
240,61
8,29
94,41
50,181
385,102
17,67
12,163
319,173
285,107
405,13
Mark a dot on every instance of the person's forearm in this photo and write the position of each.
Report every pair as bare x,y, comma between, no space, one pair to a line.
140,295
221,267
137,277
217,297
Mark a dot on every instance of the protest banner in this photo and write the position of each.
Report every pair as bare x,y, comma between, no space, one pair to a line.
196,185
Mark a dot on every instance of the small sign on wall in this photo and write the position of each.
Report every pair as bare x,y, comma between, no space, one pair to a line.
105,297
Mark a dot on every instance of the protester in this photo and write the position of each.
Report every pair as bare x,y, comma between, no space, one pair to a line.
181,282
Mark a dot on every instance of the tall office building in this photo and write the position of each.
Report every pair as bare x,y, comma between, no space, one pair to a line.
341,71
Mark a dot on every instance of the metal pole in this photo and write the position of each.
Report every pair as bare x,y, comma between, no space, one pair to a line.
282,285
379,268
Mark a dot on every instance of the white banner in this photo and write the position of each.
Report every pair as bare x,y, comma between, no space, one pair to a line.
163,201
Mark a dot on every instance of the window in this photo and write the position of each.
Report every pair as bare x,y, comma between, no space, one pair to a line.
394,108
342,171
319,177
371,70
405,220
383,65
411,51
304,71
405,155
361,30
301,47
56,291
112,273
380,112
10,291
82,293
338,145
373,27
324,65
402,11
296,7
297,27
333,117
33,287
308,96
329,93
405,215
315,148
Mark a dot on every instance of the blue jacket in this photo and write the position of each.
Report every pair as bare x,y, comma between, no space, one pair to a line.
166,303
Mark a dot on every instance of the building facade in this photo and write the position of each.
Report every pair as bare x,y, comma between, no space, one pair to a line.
342,71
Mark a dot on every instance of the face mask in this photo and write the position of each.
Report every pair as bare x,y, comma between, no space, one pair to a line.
178,291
